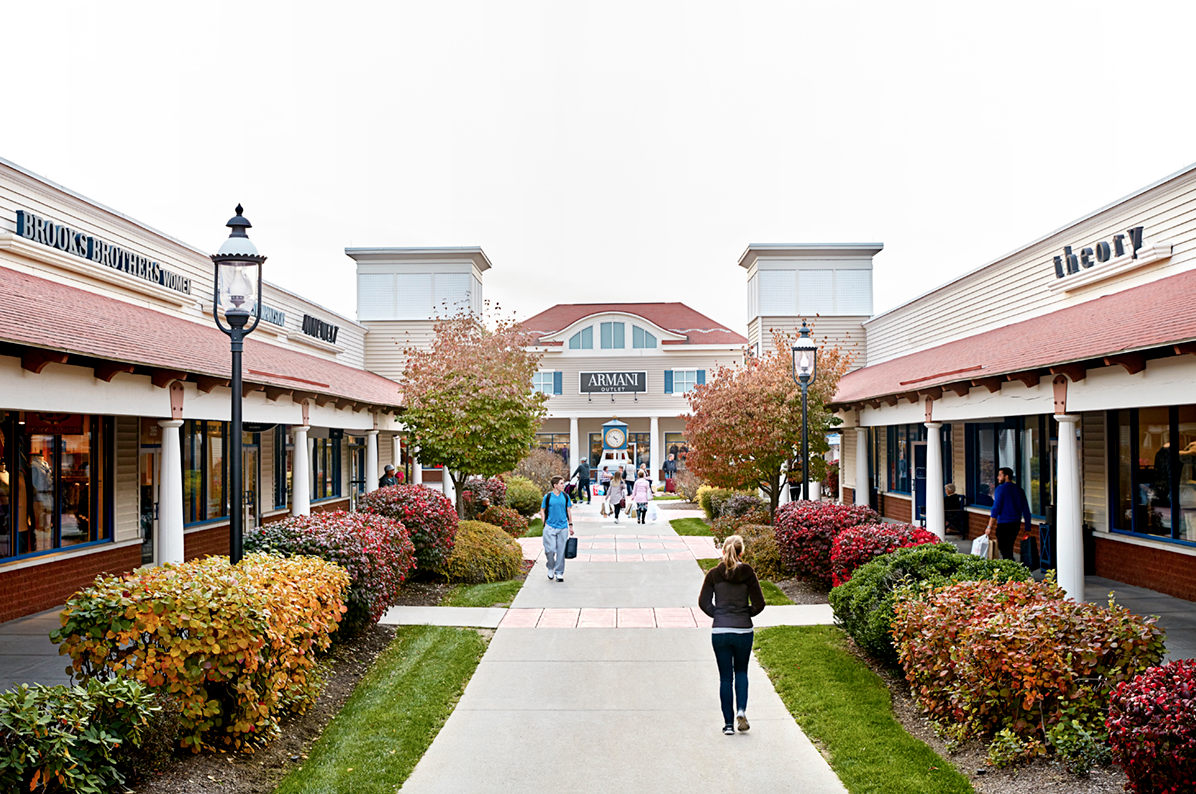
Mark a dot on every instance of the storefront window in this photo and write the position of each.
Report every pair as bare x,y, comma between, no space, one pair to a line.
554,442
640,442
900,458
595,448
1154,490
283,455
1019,443
325,468
203,471
676,445
52,481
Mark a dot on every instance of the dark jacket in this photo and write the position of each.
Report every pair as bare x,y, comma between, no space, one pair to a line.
582,472
731,599
1010,505
387,480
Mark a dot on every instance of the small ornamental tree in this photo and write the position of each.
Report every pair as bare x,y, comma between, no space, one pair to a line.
744,425
470,403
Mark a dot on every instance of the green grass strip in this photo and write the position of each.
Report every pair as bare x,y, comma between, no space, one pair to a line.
691,526
838,701
535,529
491,594
773,595
394,714
706,565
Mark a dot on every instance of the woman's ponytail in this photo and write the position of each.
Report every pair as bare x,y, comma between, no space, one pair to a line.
732,552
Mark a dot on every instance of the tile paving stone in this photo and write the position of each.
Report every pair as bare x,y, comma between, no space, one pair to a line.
703,620
636,618
675,618
658,557
675,555
631,558
596,618
520,619
558,619
603,558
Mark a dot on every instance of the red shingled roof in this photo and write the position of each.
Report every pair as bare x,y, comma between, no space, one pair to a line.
676,317
1153,315
45,314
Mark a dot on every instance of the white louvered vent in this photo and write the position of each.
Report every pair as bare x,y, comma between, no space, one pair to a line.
451,295
778,293
375,296
853,292
413,296
815,292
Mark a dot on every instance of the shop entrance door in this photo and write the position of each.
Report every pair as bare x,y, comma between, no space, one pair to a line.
250,456
148,490
919,507
356,471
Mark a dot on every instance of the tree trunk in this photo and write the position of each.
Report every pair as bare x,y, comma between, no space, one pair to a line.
458,479
774,497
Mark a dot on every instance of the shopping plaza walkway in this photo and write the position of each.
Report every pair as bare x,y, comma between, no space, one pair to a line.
604,682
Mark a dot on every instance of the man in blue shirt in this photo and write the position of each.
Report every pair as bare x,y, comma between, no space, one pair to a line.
1010,509
556,513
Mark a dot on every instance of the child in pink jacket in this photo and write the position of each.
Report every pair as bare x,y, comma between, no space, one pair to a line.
641,494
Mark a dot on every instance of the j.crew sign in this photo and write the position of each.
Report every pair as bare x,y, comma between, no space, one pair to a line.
1069,263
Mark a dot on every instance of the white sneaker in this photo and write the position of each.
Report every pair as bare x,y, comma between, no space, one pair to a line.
551,576
741,722
560,578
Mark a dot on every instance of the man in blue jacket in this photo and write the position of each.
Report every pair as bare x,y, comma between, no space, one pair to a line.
1010,509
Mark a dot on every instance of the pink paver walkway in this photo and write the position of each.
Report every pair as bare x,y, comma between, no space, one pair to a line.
631,548
605,618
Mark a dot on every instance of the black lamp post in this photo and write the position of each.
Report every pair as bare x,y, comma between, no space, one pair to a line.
238,289
805,370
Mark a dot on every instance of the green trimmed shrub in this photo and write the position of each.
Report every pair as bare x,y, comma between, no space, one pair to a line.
483,553
523,496
711,500
55,738
864,605
760,551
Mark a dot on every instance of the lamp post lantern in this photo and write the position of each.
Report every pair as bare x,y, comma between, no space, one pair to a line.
237,290
805,370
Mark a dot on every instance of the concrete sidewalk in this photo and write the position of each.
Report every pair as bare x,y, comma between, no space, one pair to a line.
613,709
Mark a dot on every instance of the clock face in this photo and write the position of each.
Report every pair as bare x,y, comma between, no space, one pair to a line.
614,438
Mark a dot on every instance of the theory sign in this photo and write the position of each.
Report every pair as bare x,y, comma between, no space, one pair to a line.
592,382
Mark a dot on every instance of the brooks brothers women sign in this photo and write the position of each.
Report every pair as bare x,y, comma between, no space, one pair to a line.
614,382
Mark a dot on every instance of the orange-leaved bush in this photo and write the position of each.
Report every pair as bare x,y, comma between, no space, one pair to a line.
806,530
374,550
235,645
855,546
985,656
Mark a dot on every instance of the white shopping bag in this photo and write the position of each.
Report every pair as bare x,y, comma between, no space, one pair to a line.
653,512
980,546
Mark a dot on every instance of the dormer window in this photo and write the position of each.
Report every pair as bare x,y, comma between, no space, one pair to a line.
583,339
612,336
641,338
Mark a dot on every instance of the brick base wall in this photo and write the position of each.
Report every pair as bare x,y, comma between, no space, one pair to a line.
41,587
896,508
1142,566
848,495
212,541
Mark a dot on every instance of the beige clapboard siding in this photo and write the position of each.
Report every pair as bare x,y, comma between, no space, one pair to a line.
959,458
1016,288
882,456
265,495
385,341
847,458
127,488
654,401
350,338
1095,474
845,332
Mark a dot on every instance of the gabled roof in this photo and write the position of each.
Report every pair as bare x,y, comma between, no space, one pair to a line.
697,328
39,313
1119,327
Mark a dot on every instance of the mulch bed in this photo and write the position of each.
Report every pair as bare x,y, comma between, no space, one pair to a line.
260,772
677,504
802,592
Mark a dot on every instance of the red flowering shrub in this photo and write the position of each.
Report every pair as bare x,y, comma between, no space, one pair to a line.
806,530
505,519
478,494
984,656
855,546
428,515
830,483
376,552
1152,728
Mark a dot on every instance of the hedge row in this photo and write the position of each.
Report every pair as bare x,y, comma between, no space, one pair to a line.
429,517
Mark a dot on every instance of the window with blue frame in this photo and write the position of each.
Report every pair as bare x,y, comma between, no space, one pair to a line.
901,459
1022,443
204,471
283,456
326,467
1152,472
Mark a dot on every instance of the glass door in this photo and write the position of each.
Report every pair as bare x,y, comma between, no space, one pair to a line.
148,490
356,470
250,473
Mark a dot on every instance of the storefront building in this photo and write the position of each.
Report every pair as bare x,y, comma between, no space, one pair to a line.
1072,361
114,400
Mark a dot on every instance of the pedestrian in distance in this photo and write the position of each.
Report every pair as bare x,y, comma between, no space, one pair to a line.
1010,510
557,514
582,473
670,467
616,495
641,494
731,595
388,477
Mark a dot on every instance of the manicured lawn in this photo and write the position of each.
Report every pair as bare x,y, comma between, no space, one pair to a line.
838,701
535,529
772,594
706,565
393,715
691,526
483,595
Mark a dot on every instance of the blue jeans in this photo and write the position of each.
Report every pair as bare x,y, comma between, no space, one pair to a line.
554,549
732,652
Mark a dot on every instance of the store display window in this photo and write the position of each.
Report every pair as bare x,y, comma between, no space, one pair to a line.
1152,472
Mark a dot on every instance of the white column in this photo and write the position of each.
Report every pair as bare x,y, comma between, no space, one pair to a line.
861,492
300,472
446,482
371,461
936,513
574,448
396,452
1069,535
170,494
417,472
654,449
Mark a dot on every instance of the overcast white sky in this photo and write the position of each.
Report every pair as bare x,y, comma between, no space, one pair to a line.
608,151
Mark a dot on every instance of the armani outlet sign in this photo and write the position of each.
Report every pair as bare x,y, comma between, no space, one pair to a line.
614,382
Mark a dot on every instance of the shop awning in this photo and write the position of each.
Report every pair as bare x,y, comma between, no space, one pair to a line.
1127,329
43,321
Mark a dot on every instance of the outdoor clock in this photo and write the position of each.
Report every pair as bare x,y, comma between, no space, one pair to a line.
615,438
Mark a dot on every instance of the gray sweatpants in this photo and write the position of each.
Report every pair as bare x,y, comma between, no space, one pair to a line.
554,549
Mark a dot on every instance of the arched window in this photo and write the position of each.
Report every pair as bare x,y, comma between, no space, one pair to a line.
641,338
583,339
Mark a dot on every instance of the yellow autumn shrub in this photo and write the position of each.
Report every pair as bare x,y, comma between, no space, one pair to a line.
235,645
483,553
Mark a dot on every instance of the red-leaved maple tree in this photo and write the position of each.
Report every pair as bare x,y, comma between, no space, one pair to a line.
469,398
744,425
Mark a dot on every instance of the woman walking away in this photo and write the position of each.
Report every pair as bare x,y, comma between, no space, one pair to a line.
616,494
731,595
641,494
